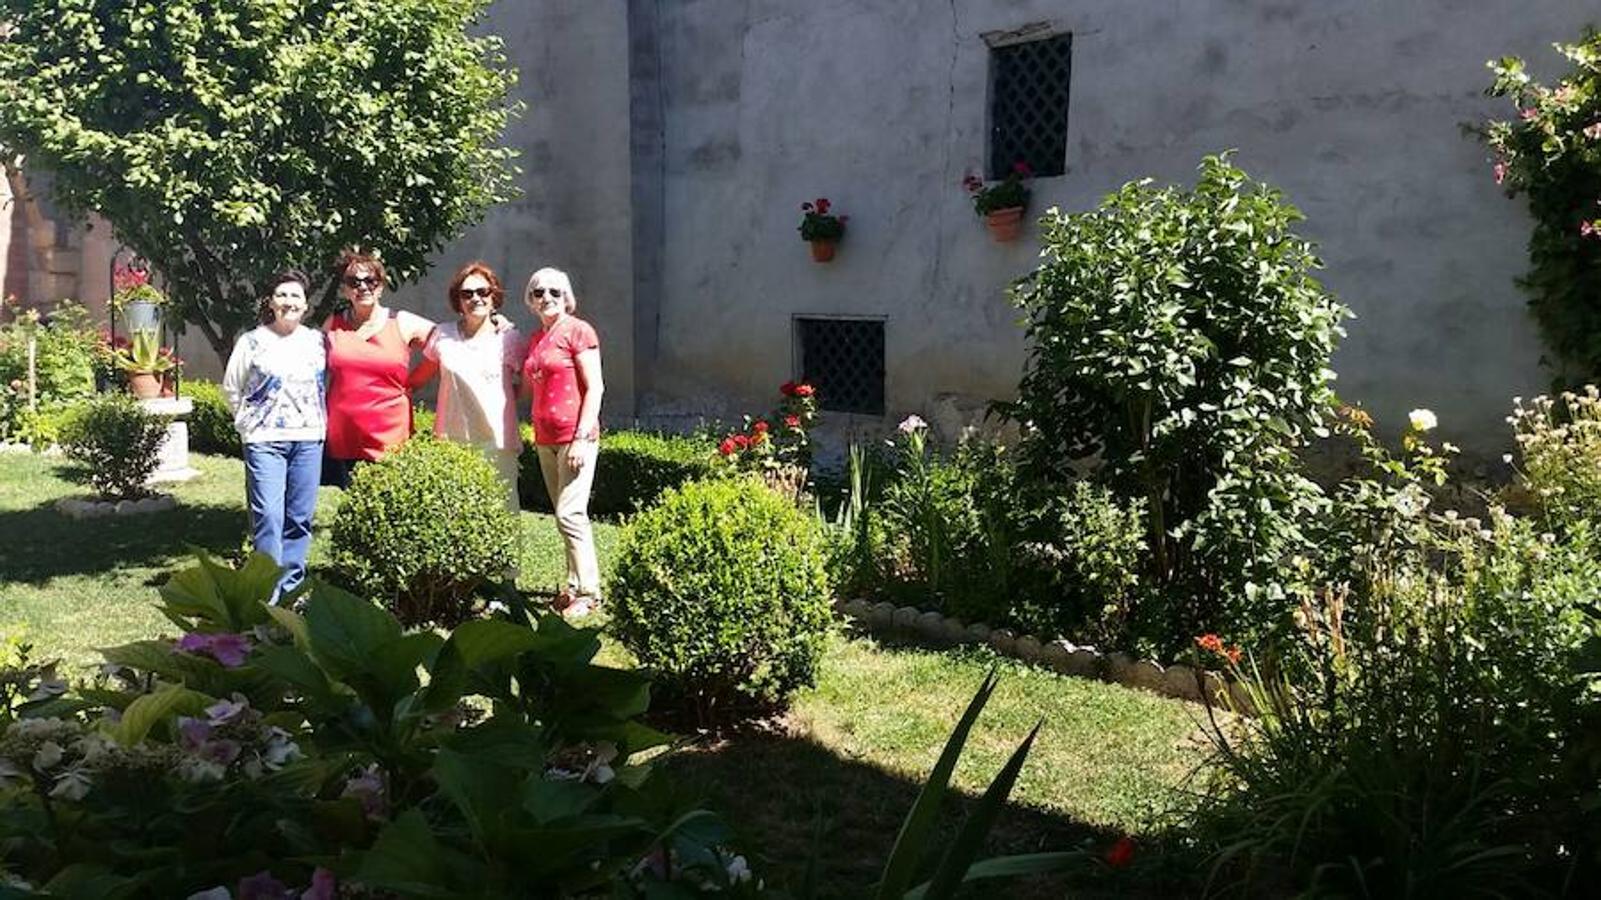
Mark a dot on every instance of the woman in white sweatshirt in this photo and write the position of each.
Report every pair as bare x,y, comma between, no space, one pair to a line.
276,386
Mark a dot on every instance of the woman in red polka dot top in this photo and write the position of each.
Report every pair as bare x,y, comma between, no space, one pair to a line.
562,371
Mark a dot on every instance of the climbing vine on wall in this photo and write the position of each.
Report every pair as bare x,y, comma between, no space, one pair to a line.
1551,153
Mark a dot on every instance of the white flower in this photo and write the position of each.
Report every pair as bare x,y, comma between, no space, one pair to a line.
599,769
1422,420
49,755
911,423
72,784
1506,458
739,870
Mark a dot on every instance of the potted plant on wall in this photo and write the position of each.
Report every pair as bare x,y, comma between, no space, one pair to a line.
1002,204
821,228
145,362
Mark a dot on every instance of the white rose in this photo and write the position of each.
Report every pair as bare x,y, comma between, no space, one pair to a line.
1422,420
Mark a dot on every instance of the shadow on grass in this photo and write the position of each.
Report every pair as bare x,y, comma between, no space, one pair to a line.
39,544
791,800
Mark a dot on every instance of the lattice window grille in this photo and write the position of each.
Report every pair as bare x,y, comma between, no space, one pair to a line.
844,360
1028,105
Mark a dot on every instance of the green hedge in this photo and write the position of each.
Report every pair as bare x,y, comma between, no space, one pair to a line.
211,428
635,467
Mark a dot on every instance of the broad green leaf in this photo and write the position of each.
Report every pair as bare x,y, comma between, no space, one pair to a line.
151,709
345,631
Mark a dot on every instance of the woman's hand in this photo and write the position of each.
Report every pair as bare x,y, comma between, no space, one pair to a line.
500,323
578,454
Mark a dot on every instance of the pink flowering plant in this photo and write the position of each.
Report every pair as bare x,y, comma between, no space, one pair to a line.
1010,192
268,753
1550,152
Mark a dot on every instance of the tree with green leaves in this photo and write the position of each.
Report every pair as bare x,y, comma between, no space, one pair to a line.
225,140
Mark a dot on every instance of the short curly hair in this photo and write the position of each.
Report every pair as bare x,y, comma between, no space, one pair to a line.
478,267
355,256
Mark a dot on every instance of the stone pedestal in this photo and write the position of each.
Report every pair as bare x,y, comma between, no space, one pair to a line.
174,452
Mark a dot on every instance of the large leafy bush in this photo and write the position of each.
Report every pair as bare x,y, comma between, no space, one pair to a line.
116,440
632,471
1552,154
721,589
1431,730
1180,337
266,748
63,351
423,529
965,532
227,143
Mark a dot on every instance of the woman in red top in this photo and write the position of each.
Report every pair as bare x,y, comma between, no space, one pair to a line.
562,371
369,358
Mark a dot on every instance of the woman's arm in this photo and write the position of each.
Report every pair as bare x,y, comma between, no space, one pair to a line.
423,373
237,373
414,329
592,388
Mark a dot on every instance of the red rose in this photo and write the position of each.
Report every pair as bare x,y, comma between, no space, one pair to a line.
787,389
726,447
792,421
1022,168
760,427
804,390
1120,854
822,206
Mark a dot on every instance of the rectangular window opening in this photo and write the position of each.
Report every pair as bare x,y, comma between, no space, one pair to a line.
844,360
1028,105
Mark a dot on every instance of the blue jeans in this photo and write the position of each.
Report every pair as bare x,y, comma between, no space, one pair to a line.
281,488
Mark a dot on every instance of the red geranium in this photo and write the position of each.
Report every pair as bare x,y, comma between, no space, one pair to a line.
741,441
1120,854
787,389
804,390
759,428
792,421
726,448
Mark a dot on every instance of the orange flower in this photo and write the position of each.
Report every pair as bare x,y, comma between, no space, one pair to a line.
1210,642
1233,654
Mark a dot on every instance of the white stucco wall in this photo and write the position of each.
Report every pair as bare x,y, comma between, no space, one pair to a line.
1353,108
576,211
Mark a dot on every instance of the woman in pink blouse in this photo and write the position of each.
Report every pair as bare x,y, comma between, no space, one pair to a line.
562,370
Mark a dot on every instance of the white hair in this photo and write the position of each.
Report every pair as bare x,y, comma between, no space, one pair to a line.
560,279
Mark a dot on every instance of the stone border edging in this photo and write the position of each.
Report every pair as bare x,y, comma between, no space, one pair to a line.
1178,680
79,508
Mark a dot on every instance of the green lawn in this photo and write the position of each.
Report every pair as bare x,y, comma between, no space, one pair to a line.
830,781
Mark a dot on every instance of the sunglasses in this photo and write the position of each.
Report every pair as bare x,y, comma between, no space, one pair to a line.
555,293
470,293
366,281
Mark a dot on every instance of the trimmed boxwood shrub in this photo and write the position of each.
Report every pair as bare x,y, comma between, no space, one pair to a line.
721,589
211,428
422,529
117,440
634,468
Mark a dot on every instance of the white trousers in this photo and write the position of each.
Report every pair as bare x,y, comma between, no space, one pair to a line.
569,495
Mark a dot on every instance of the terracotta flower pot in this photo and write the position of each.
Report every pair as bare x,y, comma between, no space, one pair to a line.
144,385
822,250
1005,224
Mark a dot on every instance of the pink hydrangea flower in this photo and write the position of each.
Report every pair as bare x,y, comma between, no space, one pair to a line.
1500,172
229,649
